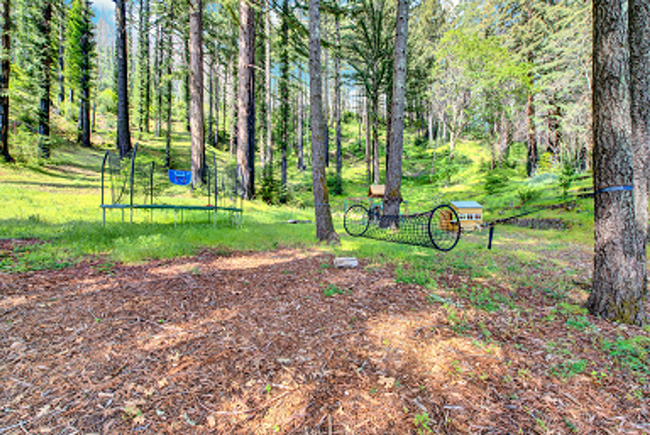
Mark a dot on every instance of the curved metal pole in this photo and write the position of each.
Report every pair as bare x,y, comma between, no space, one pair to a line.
135,153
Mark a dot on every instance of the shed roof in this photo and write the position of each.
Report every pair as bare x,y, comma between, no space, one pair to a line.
466,204
376,191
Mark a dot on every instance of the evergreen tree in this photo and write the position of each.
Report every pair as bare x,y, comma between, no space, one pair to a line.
80,53
144,65
45,56
393,195
197,123
123,124
5,69
285,109
369,45
246,100
619,280
323,212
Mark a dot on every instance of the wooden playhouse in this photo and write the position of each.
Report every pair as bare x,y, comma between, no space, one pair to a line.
470,214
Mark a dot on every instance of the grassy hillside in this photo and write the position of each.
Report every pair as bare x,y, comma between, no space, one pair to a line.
58,201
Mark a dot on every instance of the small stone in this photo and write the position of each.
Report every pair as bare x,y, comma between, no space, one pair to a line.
346,262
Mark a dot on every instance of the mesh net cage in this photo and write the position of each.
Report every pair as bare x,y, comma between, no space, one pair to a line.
438,228
117,172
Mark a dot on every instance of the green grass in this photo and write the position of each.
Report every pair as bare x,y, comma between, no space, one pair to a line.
58,202
631,353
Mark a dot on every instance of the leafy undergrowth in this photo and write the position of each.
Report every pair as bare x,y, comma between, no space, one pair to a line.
282,342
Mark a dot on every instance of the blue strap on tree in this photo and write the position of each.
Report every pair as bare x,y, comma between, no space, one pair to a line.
180,178
613,189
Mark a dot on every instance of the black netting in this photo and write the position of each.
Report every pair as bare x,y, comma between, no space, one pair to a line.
438,228
118,178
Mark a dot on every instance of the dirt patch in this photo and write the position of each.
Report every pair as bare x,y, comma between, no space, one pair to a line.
281,342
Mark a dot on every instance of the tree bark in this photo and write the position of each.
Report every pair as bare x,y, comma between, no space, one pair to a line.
210,128
301,141
123,127
268,151
246,100
284,98
46,81
197,127
5,69
393,195
533,157
375,141
323,214
337,106
61,62
618,282
145,66
366,121
169,64
639,37
86,67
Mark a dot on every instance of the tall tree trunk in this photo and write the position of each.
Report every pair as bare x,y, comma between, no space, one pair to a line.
123,127
61,62
337,106
268,150
197,128
5,66
284,98
215,134
228,106
326,104
246,100
187,93
393,195
359,119
159,56
169,64
211,102
301,141
323,213
84,88
531,161
639,37
376,179
45,54
145,65
619,276
366,112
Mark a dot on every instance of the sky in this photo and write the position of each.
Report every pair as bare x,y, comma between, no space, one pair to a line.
104,5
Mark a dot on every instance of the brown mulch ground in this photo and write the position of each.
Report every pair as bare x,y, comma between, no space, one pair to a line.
249,343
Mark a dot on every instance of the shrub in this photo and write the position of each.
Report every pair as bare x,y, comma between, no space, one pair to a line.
528,194
567,175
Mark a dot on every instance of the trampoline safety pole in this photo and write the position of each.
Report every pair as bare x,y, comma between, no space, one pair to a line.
490,236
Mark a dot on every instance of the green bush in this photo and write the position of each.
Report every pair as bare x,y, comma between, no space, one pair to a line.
495,181
566,178
528,194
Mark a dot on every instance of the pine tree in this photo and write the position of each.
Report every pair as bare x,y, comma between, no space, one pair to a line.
123,124
285,109
144,65
393,195
5,66
246,100
45,57
197,123
80,53
323,212
619,279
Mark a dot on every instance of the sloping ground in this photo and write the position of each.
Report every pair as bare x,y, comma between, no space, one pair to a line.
281,342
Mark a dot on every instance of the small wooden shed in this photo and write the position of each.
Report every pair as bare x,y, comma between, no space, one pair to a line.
470,214
376,191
